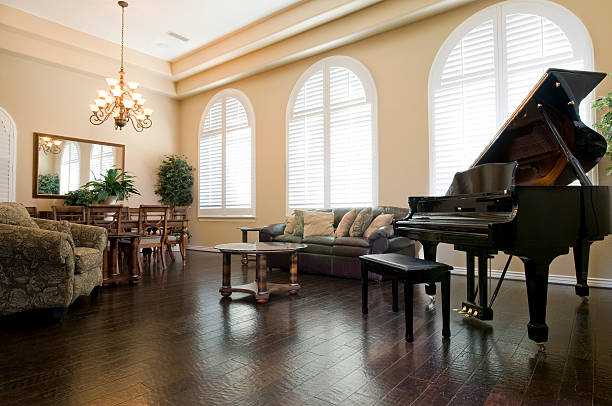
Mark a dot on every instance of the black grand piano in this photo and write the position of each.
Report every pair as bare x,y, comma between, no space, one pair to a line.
516,198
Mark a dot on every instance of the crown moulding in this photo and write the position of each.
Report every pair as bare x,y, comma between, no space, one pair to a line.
298,31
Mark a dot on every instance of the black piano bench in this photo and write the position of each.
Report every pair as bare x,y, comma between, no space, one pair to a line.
410,271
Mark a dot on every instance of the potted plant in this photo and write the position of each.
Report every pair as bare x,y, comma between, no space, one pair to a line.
114,185
80,197
174,181
604,105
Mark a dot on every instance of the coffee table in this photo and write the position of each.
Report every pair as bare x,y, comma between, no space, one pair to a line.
261,289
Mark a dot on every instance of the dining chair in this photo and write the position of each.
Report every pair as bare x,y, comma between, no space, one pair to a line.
179,216
153,225
32,211
73,214
108,216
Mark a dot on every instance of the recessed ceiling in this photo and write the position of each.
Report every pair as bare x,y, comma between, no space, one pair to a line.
155,27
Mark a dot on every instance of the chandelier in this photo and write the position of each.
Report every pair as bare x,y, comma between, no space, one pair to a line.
48,144
121,102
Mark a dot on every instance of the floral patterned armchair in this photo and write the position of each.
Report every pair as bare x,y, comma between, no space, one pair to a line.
46,263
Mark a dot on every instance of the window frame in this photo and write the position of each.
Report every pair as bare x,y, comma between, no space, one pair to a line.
69,163
99,159
364,75
575,30
12,134
224,212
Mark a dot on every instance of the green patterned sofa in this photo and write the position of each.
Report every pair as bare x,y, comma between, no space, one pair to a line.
46,263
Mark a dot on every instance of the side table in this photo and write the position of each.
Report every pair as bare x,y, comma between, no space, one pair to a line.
245,232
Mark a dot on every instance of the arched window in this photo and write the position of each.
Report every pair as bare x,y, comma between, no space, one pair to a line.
8,146
102,159
70,167
227,156
331,137
486,68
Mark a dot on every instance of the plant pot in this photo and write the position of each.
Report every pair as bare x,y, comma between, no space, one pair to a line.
110,200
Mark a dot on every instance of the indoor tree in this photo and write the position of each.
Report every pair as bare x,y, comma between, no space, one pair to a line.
174,181
604,106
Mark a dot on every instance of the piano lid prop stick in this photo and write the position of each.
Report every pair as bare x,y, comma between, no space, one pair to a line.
501,279
580,174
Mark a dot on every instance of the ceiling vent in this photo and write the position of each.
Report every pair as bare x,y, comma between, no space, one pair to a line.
178,36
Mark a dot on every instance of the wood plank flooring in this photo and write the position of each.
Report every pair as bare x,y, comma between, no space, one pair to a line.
172,341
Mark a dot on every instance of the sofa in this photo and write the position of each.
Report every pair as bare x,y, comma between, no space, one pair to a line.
328,255
46,263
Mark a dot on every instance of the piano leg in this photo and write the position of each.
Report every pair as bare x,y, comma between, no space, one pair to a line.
483,280
536,275
581,263
429,250
470,276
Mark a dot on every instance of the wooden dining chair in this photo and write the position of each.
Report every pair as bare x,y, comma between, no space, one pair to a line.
153,225
73,214
177,231
108,216
32,211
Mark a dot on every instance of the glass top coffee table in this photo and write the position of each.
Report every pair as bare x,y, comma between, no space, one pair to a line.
261,289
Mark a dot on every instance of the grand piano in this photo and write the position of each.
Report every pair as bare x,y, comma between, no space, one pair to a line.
516,198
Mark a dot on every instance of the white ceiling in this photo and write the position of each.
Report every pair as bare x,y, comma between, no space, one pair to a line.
148,22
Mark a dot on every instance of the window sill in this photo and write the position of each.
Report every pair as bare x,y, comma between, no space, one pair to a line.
226,217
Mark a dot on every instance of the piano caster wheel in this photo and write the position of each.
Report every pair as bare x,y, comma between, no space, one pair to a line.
541,348
432,301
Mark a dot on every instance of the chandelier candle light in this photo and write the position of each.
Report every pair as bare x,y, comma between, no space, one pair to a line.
122,103
48,144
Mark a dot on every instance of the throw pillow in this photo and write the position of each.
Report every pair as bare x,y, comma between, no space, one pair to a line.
345,224
290,224
15,214
318,223
361,223
298,228
379,221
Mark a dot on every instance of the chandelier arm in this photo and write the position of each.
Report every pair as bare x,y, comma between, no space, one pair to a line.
138,127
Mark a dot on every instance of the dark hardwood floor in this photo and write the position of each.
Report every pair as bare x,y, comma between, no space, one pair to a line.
172,341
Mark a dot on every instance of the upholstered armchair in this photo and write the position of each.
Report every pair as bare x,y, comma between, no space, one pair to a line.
46,263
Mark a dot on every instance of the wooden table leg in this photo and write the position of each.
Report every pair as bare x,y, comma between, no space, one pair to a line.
134,260
227,275
262,295
113,258
293,273
245,257
106,279
183,246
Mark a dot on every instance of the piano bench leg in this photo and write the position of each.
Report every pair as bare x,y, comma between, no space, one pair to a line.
537,332
408,299
582,289
394,290
446,306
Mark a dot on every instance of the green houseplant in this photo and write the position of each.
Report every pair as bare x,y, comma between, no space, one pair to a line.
604,106
114,185
48,184
174,181
80,197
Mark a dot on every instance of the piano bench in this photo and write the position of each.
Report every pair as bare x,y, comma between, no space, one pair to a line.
409,271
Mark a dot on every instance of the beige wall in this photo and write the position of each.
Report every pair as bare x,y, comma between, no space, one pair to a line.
399,62
49,99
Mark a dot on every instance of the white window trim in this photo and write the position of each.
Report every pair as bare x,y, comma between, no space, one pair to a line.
371,97
12,195
577,34
225,213
78,161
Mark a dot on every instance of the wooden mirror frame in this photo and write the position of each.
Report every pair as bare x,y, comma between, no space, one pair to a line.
37,136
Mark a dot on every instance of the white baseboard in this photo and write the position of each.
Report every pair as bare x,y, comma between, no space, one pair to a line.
556,279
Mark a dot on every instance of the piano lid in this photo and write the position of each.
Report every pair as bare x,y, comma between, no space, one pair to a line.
527,138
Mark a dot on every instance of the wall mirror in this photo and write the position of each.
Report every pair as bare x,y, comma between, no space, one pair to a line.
63,164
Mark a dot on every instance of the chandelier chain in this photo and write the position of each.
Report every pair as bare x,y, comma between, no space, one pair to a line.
122,29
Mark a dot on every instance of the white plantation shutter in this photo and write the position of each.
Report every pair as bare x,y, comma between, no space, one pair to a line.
226,161
7,157
485,70
102,159
70,167
331,137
